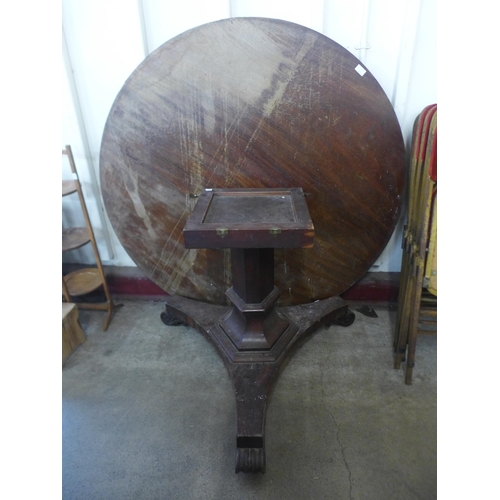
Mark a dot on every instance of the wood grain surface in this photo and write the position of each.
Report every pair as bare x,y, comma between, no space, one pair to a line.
253,103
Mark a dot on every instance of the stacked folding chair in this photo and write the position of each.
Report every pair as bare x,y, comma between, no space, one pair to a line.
417,301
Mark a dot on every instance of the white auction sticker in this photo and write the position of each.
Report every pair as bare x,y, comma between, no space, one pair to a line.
360,69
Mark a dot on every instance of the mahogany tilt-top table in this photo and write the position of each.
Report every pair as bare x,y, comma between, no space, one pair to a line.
253,169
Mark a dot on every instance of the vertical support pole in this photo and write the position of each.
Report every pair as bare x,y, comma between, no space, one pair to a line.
253,323
253,273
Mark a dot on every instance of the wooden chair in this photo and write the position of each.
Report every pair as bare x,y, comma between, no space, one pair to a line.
417,301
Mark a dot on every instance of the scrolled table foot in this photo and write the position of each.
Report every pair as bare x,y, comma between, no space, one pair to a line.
171,320
346,320
250,460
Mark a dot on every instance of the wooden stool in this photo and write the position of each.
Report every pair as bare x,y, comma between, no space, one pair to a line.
72,333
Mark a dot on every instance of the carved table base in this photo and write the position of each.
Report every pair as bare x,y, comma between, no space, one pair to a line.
253,372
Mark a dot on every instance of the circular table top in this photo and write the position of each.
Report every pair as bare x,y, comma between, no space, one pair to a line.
253,103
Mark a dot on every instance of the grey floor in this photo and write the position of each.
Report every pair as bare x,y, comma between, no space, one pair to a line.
148,413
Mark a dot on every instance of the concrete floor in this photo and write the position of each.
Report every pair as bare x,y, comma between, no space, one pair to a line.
148,413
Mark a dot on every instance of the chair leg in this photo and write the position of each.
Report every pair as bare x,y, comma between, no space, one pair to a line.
401,301
413,327
404,319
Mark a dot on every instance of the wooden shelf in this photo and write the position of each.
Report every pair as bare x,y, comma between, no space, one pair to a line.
69,187
83,281
74,237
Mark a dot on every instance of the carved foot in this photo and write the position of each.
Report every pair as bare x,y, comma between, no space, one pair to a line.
345,320
171,320
250,460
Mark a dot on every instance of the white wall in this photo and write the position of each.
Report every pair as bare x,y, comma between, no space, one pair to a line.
105,40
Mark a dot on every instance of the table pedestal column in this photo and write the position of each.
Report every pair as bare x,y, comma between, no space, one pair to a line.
253,323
